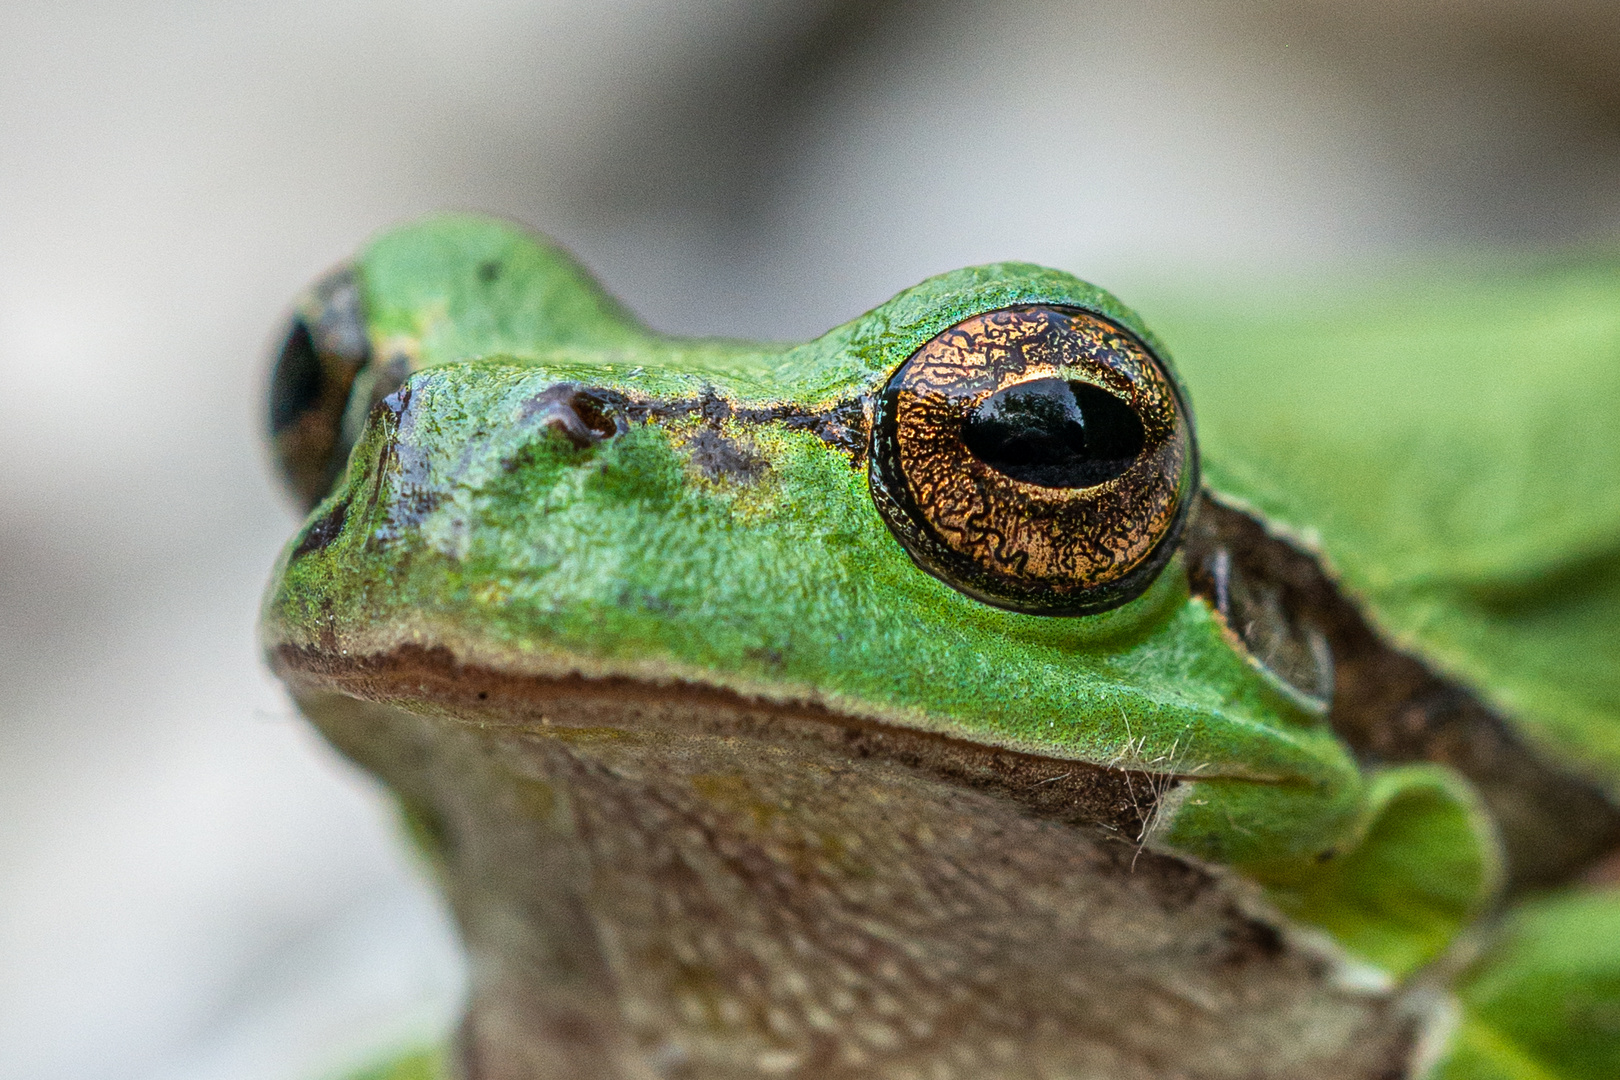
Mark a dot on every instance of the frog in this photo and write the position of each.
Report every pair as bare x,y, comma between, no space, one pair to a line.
942,697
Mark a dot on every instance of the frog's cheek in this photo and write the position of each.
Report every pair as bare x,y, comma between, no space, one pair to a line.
1391,872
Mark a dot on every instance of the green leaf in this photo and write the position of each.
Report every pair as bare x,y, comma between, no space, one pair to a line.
1544,1002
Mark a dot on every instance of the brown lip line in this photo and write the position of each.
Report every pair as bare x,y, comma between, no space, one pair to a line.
1121,801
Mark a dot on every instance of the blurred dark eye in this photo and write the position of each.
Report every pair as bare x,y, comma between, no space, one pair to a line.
1036,458
325,348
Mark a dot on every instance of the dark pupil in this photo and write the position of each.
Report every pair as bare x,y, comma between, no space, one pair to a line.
295,387
1054,433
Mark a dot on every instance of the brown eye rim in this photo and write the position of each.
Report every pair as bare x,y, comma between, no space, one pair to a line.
1054,548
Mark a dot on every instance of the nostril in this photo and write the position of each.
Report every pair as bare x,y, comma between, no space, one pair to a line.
574,413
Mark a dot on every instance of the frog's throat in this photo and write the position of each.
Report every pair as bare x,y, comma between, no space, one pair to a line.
684,882
432,681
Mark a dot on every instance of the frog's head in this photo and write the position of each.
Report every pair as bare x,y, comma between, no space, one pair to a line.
961,513
895,516
953,528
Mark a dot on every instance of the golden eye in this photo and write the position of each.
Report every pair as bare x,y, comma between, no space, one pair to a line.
1036,458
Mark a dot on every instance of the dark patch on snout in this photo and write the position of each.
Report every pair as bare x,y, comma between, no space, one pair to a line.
764,654
720,458
842,426
581,416
325,530
402,472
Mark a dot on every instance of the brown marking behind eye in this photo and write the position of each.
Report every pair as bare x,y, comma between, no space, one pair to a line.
1053,549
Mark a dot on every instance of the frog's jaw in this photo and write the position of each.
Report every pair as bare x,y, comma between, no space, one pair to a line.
648,882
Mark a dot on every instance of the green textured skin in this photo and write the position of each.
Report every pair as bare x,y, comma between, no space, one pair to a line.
483,534
1449,443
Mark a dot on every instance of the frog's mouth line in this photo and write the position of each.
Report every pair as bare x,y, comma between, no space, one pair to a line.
1391,707
432,681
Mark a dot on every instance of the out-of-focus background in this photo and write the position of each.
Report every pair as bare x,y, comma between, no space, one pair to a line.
191,885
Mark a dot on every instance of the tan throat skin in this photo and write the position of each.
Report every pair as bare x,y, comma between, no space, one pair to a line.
672,882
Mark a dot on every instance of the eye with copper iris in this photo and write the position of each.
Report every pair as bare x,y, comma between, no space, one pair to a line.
1037,458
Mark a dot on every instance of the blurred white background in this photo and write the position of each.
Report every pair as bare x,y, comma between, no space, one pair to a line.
191,884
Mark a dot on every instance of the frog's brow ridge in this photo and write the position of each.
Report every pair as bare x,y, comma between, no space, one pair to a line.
841,425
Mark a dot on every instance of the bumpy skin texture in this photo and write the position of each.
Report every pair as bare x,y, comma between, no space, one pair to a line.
645,891
543,491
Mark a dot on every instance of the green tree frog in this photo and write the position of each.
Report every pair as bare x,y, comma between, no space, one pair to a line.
944,697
